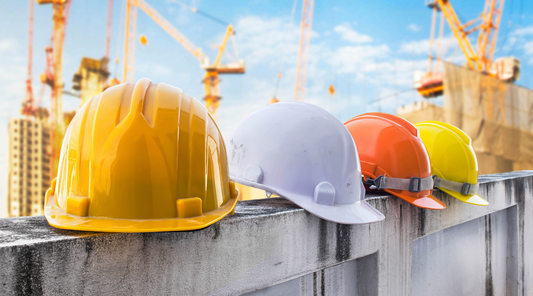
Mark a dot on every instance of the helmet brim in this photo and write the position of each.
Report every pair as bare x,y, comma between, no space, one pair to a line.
357,213
429,202
473,199
58,218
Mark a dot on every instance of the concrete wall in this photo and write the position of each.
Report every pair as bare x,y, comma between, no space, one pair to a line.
272,247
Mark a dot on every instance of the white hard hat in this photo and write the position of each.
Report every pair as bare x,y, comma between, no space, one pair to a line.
301,152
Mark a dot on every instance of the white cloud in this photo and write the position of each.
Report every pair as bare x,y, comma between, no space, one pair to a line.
517,37
8,45
413,28
153,70
349,59
422,46
523,31
416,47
520,39
528,49
185,14
350,35
261,40
261,43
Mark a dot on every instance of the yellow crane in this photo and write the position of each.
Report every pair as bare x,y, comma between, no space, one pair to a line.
211,81
479,58
55,79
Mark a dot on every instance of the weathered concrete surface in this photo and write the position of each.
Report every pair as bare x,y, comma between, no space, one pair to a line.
272,247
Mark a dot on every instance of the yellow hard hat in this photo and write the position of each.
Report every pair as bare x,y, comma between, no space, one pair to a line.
141,158
453,161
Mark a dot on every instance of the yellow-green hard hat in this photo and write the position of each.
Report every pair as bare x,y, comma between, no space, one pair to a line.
453,161
141,158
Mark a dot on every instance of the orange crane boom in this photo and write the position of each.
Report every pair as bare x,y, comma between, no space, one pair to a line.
303,52
487,24
211,80
479,58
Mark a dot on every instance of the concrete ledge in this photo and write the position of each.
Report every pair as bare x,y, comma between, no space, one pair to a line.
266,243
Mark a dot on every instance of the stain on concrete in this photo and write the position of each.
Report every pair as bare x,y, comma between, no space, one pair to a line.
520,188
315,289
401,218
521,233
216,228
323,282
378,201
508,187
489,286
322,240
342,250
421,222
28,269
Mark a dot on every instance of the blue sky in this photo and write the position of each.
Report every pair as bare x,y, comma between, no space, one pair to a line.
363,48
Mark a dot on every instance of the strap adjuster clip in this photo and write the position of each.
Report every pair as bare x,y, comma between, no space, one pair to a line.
466,188
414,184
374,184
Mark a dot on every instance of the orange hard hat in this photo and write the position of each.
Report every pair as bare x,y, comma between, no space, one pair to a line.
394,158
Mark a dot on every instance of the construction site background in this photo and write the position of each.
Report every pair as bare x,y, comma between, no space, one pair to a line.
28,170
354,67
497,115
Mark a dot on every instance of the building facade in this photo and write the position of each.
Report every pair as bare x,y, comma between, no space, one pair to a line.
28,166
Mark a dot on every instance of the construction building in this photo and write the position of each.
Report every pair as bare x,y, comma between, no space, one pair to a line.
28,165
91,78
496,114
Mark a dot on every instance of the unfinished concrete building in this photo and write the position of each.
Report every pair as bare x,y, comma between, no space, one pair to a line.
28,166
497,115
91,78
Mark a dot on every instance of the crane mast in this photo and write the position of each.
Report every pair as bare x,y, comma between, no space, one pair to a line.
211,81
488,24
57,128
479,58
28,109
489,31
108,28
303,52
129,40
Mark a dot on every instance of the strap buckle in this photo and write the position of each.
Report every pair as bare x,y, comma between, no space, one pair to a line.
374,184
436,181
415,184
466,188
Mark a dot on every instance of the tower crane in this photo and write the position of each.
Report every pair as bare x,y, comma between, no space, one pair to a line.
480,59
28,108
108,35
211,81
303,52
55,79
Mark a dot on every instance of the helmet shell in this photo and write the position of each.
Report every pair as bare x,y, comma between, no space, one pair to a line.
141,157
452,157
389,145
301,152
